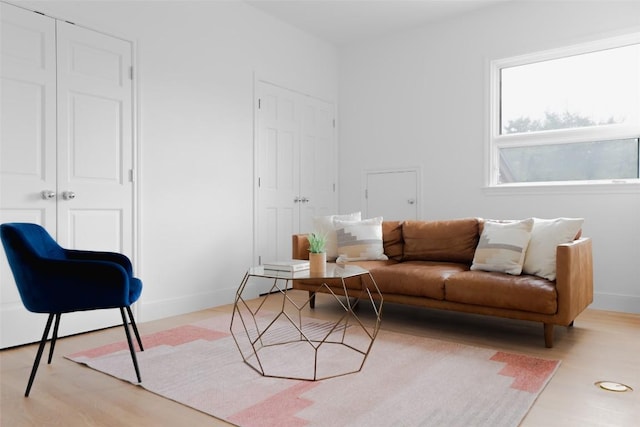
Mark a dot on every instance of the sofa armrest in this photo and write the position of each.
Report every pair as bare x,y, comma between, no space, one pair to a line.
574,278
300,246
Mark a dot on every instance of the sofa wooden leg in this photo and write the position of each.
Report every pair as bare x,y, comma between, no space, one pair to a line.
312,299
548,335
571,324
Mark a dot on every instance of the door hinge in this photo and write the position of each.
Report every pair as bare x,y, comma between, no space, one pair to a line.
366,193
131,73
259,182
131,176
259,259
334,123
259,103
334,187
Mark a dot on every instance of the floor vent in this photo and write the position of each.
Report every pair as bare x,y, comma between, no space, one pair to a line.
613,386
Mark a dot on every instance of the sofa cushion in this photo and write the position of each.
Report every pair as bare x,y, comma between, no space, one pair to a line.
416,278
360,240
490,289
546,235
449,241
392,239
502,246
324,225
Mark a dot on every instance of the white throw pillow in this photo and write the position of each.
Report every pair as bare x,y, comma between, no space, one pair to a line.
546,235
360,240
324,225
502,246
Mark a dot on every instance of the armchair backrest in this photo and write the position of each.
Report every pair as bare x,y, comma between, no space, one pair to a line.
24,245
29,240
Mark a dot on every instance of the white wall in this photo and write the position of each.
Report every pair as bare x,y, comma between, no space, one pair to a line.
196,64
416,99
419,99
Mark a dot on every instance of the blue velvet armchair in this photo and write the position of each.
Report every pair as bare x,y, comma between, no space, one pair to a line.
55,280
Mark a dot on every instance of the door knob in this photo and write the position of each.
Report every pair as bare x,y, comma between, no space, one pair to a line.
48,194
411,201
68,195
304,199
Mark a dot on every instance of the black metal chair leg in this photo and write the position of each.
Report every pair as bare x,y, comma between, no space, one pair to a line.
54,338
43,341
131,349
135,328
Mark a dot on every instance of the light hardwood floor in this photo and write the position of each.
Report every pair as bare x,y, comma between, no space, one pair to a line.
601,346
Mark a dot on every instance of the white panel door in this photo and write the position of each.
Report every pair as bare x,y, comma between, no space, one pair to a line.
318,162
278,147
27,148
94,140
95,154
392,194
67,132
296,167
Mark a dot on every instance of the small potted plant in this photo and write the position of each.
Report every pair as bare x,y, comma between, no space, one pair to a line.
317,253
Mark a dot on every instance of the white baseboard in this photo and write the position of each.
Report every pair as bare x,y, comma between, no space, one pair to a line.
159,309
614,302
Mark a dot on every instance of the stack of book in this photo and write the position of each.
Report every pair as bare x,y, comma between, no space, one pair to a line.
291,266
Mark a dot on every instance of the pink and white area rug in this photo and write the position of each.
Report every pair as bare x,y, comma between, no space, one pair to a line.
405,381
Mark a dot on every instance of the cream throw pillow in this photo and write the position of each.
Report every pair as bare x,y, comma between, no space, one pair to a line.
546,235
502,246
360,240
324,225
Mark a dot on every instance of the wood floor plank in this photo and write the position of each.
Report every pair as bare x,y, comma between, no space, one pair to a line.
601,346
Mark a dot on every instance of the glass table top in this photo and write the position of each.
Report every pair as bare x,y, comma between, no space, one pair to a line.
332,271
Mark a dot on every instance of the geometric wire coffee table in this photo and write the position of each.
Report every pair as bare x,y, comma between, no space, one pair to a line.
284,344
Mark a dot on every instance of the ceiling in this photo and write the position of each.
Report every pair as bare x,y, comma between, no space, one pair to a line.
347,21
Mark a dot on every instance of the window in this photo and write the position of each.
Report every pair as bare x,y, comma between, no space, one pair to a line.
570,115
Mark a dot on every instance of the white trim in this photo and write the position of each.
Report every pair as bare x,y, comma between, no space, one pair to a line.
573,188
254,186
616,302
167,307
568,136
571,50
137,174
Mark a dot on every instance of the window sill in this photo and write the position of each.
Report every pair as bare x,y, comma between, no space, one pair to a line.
611,187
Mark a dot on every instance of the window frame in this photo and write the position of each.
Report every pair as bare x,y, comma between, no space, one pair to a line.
497,140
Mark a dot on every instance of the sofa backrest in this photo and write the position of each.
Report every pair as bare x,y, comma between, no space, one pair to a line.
449,240
392,239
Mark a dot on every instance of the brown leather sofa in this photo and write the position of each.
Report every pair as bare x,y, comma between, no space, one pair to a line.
429,266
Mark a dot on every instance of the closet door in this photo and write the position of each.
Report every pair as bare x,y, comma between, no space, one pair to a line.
28,106
27,149
95,166
65,150
95,154
318,162
296,167
278,148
